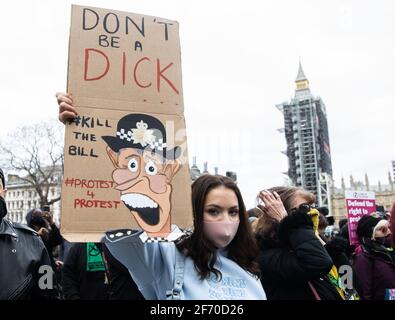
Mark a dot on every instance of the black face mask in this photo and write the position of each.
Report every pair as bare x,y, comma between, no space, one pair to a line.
3,208
385,241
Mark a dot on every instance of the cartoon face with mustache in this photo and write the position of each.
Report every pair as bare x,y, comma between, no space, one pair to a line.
144,169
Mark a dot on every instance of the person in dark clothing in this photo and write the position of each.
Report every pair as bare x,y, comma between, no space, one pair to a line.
24,259
83,273
342,222
120,283
374,260
42,222
64,249
331,220
294,263
337,250
344,233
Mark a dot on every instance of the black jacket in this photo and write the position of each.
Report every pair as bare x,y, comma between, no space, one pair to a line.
293,259
55,239
77,282
337,248
120,283
22,253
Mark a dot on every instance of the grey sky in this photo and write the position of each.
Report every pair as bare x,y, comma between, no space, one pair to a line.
239,59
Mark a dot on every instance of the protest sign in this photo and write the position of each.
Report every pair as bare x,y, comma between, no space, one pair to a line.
126,160
358,204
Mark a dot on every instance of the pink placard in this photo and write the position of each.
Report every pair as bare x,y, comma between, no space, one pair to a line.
358,203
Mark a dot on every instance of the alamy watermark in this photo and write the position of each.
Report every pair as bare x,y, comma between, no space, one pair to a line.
45,282
346,277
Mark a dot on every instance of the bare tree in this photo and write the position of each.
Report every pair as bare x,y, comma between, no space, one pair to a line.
36,153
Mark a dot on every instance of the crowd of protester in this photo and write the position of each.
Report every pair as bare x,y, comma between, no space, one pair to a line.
283,249
286,248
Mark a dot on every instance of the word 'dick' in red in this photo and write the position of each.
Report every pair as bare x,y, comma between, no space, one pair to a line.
158,69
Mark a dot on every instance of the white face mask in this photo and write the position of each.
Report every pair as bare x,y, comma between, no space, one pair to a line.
220,233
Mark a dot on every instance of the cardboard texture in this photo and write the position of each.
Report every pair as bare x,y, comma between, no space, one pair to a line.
126,161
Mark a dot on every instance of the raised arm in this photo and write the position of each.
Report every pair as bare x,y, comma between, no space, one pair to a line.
148,263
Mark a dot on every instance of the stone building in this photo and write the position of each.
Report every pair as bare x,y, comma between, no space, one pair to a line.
22,197
307,136
196,173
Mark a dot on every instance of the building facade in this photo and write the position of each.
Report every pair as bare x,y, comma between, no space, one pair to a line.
22,197
195,172
307,138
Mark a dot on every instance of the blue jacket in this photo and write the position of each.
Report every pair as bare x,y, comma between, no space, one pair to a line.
152,267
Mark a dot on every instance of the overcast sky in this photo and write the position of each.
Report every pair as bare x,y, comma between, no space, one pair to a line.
239,59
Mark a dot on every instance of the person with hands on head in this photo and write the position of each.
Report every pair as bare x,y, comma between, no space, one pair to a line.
271,204
294,263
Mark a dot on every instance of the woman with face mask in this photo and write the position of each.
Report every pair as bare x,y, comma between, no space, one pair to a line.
216,261
374,259
294,263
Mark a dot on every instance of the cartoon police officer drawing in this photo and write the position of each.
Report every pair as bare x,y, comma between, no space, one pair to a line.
144,170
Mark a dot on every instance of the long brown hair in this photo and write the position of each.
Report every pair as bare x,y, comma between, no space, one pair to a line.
243,248
288,194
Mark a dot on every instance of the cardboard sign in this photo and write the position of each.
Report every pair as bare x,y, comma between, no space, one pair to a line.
126,161
358,203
